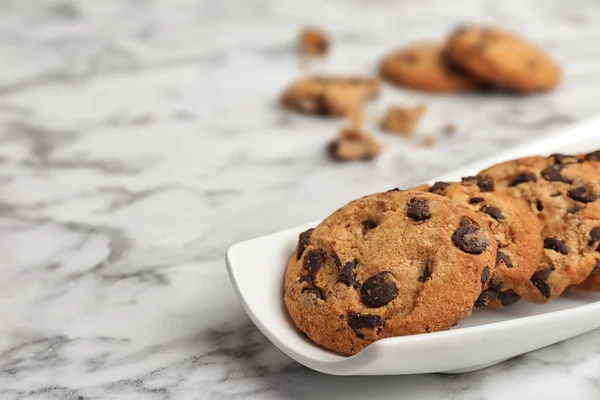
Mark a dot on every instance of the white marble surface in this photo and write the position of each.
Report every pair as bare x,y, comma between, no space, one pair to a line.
139,139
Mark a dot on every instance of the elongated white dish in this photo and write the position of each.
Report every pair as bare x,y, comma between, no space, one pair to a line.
256,268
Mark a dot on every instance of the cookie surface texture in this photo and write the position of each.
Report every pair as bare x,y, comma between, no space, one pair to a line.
389,264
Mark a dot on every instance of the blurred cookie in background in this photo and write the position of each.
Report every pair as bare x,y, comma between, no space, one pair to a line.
426,66
503,58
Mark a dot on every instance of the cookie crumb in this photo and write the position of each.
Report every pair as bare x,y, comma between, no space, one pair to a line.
429,141
402,119
450,128
328,95
314,42
354,144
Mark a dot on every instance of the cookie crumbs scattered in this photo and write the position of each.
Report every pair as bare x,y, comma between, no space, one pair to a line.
450,128
402,119
354,144
429,141
314,42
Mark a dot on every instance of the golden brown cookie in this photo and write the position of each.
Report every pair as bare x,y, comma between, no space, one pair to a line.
503,58
562,191
354,144
389,264
516,229
329,96
425,66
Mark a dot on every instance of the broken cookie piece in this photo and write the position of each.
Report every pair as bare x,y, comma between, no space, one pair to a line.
329,96
354,144
314,42
402,119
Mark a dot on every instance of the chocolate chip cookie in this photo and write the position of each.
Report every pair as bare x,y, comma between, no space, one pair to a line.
503,58
388,264
425,66
562,191
516,229
329,96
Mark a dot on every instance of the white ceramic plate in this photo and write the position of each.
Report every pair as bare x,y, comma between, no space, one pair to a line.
256,268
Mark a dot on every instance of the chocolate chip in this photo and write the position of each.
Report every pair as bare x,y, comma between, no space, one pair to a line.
426,272
452,69
336,259
560,158
476,200
593,156
539,281
418,210
313,261
582,194
394,190
508,297
365,321
485,276
501,257
348,274
378,290
322,46
556,244
368,225
538,205
439,187
314,292
485,298
303,241
522,178
321,107
342,316
470,238
332,149
493,212
596,267
485,183
553,174
574,209
594,236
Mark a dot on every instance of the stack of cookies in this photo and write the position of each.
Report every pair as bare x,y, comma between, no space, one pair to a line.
473,58
420,260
